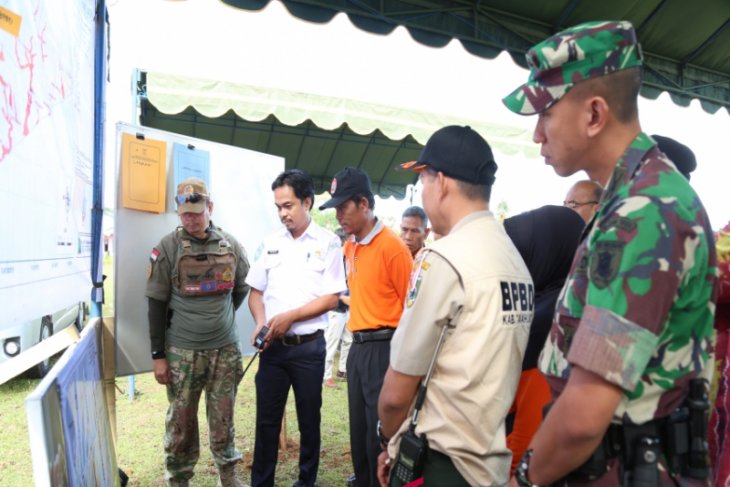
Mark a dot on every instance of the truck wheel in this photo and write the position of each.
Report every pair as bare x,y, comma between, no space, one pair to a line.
39,371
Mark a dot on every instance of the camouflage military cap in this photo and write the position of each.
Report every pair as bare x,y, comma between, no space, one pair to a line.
576,54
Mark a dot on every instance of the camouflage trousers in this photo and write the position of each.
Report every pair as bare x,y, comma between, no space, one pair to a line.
218,372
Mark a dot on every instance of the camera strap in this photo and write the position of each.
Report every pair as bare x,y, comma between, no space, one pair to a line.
448,322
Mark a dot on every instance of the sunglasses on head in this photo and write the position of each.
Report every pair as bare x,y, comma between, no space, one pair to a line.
189,198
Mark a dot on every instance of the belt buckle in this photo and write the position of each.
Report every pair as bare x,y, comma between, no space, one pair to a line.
290,340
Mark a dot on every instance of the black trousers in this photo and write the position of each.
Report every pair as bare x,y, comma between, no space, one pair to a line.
302,368
366,367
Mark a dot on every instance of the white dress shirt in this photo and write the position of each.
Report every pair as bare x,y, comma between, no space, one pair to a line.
292,272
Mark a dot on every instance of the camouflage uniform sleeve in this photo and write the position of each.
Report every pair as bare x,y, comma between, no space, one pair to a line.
242,269
158,273
638,255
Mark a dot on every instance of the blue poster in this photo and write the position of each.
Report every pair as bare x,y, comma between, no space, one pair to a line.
190,162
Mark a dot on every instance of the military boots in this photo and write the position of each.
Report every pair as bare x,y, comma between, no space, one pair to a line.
227,476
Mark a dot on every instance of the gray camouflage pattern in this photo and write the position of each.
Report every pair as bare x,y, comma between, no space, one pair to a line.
217,372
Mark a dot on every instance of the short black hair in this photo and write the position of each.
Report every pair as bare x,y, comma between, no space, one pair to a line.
620,89
471,191
474,192
368,196
416,211
299,181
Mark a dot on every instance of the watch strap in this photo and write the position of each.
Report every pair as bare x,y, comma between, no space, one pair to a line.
521,475
158,354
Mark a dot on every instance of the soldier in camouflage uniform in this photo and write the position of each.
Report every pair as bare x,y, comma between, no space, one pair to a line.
196,281
633,326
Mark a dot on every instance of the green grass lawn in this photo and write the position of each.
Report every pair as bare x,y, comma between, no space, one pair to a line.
140,428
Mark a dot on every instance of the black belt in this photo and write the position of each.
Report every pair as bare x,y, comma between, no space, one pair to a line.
379,335
294,340
619,441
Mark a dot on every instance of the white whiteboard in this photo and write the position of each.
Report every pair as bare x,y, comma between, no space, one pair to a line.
240,188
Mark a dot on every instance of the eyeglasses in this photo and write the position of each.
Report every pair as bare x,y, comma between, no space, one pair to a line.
189,198
576,204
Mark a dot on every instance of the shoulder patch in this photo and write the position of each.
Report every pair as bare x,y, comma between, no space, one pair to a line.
154,255
259,251
334,244
619,222
419,265
605,261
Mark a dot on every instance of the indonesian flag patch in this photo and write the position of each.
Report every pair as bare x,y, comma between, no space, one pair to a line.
154,255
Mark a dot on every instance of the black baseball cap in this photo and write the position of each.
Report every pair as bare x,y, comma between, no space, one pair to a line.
460,153
681,155
347,183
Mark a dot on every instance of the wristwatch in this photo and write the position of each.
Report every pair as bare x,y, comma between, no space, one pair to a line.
157,354
521,470
381,437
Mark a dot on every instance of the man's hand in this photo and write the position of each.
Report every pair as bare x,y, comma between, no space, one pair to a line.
280,324
161,368
575,426
383,468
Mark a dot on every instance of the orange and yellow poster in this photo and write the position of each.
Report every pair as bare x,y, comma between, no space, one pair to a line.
143,173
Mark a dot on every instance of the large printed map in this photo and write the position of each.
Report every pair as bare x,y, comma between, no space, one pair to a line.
46,153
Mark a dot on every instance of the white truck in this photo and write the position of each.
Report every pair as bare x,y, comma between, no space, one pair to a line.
15,339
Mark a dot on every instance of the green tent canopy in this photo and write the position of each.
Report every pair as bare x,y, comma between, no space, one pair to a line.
686,44
316,133
686,47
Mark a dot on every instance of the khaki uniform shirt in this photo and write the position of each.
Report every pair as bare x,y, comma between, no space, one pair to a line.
478,367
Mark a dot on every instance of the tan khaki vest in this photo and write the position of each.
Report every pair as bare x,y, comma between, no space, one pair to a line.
206,272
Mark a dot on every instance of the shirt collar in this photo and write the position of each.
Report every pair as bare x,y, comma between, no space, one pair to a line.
628,164
469,218
308,232
370,236
626,167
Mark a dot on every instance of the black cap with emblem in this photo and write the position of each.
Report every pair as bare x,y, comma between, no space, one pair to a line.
347,183
460,153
